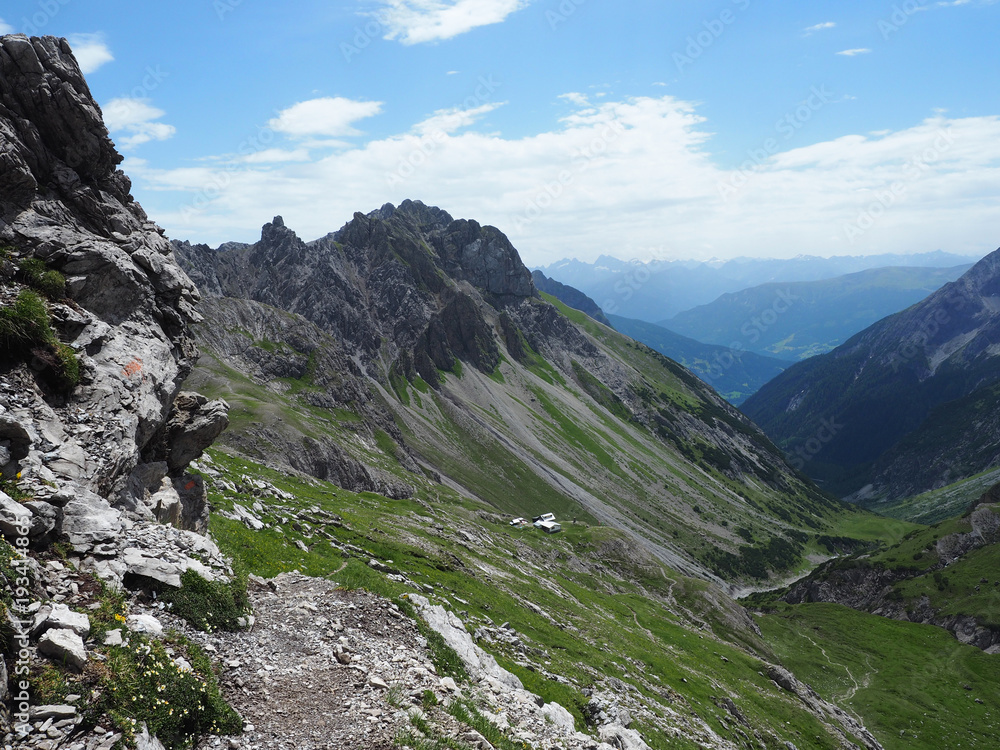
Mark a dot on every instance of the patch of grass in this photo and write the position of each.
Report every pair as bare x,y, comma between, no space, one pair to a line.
385,443
468,713
906,681
209,605
25,324
49,686
25,330
36,275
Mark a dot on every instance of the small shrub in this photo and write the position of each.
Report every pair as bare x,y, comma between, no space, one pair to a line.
210,605
25,330
50,283
25,324
67,367
142,683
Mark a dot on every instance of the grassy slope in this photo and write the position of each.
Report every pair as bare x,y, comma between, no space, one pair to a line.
536,439
590,607
734,374
906,681
968,586
941,504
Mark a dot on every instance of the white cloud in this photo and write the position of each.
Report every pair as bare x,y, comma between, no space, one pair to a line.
276,155
820,27
90,51
417,21
578,99
633,177
854,52
137,119
5,28
448,121
331,117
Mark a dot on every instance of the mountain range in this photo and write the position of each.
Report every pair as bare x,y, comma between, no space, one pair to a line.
658,290
431,333
796,320
907,405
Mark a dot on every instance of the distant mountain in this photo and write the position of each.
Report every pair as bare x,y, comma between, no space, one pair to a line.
801,319
908,405
658,290
569,296
734,374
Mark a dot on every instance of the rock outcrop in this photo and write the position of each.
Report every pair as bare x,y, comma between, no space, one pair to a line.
91,293
127,309
871,588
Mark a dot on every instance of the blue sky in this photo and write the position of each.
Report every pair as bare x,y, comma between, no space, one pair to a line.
579,127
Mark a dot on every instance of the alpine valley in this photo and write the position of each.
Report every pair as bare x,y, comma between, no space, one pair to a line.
267,495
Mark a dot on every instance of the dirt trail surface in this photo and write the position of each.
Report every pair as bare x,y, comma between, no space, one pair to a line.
287,677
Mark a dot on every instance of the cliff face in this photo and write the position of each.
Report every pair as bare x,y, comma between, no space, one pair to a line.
116,437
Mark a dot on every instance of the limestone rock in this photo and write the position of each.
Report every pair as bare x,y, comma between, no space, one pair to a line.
63,646
56,713
559,716
454,633
61,616
89,520
15,518
65,203
621,738
145,624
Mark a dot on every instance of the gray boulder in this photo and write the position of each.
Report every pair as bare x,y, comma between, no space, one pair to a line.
63,646
621,738
15,518
88,520
60,616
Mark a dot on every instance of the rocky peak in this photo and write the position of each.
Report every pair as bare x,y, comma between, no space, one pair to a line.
123,318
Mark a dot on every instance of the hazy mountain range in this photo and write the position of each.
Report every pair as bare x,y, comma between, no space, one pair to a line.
907,405
795,320
658,290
